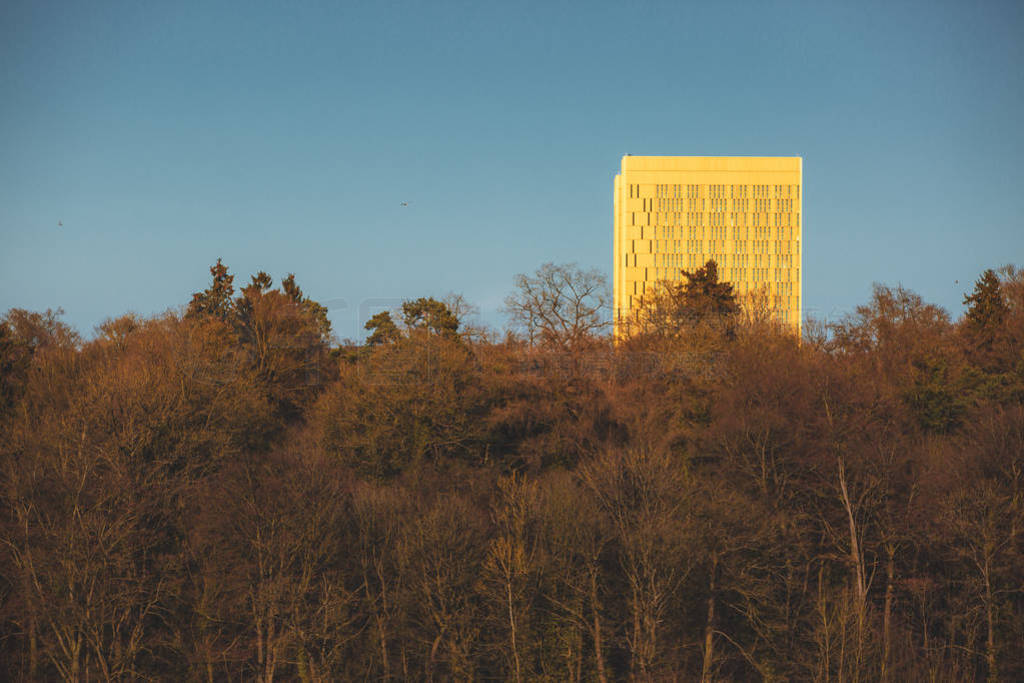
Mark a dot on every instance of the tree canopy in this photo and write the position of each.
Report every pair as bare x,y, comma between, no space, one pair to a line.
229,495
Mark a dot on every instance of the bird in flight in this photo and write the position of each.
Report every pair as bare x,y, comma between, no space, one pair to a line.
60,224
405,203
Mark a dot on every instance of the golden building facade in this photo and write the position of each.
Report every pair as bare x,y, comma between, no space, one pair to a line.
677,213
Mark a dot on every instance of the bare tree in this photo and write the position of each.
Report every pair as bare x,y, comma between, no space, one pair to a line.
561,306
578,538
509,569
644,494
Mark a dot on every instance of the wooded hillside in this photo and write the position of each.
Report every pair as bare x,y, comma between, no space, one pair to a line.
227,494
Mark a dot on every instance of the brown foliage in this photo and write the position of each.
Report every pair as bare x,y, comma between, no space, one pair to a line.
180,500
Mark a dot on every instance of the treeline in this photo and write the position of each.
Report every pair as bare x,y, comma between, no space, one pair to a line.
226,494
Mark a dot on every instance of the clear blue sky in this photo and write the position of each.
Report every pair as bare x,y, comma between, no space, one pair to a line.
284,136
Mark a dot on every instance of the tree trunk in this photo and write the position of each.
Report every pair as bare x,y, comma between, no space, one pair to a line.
709,629
33,649
512,625
433,656
268,671
887,616
379,617
823,607
577,664
259,643
383,640
635,645
860,575
596,609
75,661
990,645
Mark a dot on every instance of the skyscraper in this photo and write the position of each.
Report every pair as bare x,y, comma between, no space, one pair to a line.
676,213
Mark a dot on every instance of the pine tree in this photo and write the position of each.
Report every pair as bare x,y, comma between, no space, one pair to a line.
986,307
215,300
986,316
703,295
311,309
672,307
431,315
384,330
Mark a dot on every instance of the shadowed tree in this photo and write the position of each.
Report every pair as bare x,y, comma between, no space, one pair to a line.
984,323
443,549
510,573
703,295
15,359
380,514
407,403
645,495
980,522
700,302
577,537
109,443
283,526
986,308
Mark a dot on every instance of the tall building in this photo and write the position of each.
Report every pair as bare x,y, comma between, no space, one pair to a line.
676,213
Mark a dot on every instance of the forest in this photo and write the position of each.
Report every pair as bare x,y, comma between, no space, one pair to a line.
226,492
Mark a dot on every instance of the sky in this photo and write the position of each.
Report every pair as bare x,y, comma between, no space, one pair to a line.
140,142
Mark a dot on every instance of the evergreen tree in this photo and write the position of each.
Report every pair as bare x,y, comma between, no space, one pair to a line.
311,309
674,306
431,315
984,325
986,307
384,330
703,296
15,357
215,300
